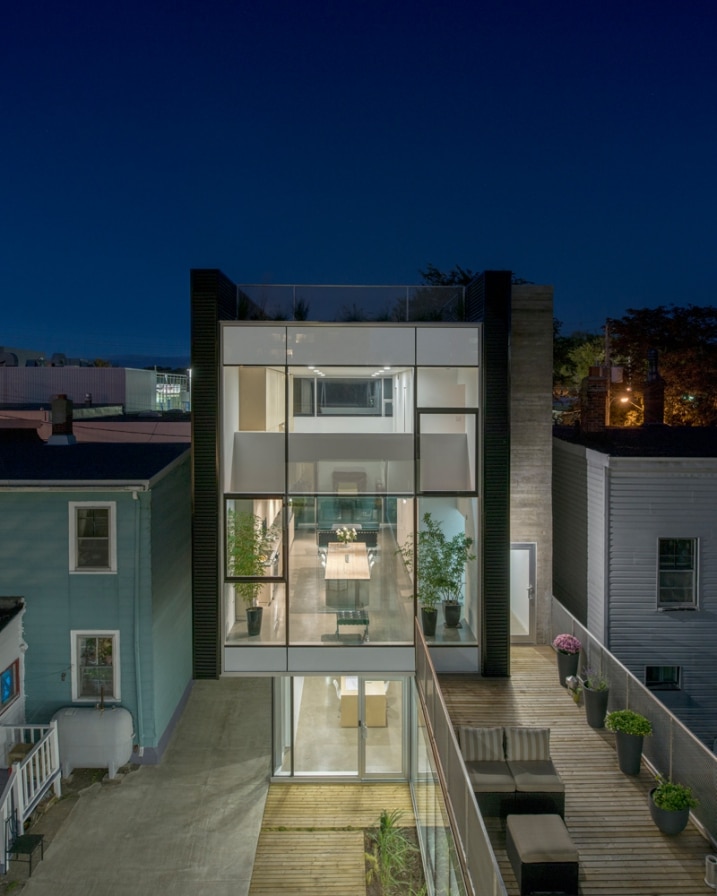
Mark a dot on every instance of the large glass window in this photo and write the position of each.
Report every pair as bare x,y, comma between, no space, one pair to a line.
254,593
677,572
347,583
447,452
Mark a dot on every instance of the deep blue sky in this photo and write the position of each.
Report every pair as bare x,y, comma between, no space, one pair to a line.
574,143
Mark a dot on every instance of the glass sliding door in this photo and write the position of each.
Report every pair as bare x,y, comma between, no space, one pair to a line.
384,730
340,726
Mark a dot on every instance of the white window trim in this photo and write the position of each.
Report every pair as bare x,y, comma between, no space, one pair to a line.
83,571
695,603
74,661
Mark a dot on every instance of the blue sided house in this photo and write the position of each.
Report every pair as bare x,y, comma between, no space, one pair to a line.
95,543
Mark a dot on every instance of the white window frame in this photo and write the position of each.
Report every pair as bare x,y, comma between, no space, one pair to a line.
685,605
74,506
75,634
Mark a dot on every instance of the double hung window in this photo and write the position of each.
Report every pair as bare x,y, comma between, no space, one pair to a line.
677,573
95,665
92,537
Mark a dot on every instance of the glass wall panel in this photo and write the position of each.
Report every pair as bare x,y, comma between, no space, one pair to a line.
254,563
440,861
328,399
282,727
457,516
460,345
354,591
253,344
365,463
324,743
447,387
447,450
361,345
272,624
384,733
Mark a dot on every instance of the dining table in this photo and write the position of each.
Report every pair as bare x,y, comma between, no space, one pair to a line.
347,574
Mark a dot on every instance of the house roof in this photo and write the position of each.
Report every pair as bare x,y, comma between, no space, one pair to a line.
32,461
645,441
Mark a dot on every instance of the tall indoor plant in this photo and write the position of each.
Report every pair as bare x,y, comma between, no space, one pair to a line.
441,571
250,544
630,730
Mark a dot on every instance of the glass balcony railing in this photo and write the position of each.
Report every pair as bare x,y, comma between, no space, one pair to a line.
347,304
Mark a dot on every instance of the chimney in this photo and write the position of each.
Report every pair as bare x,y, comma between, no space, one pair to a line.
61,422
653,393
593,400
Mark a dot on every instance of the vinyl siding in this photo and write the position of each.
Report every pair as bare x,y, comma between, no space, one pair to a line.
171,594
597,502
650,499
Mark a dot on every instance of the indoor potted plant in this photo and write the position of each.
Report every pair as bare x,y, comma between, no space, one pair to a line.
567,648
250,544
630,729
596,691
670,805
441,571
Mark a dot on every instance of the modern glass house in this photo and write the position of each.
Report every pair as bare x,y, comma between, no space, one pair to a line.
306,431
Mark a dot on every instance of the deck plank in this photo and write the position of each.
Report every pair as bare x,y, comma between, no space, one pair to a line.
311,838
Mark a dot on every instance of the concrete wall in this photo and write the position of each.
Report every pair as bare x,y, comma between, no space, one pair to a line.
531,377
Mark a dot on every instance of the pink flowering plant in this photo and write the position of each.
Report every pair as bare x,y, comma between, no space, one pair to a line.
567,644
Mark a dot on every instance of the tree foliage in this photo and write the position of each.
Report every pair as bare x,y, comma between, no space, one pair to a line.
457,276
685,338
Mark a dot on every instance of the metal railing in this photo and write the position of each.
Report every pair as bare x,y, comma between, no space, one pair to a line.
32,776
480,867
672,749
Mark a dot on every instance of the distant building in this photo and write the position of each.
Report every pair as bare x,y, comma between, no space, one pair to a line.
127,389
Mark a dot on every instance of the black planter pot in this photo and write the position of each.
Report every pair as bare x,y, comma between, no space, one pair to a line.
669,821
595,706
253,620
567,665
429,617
452,615
629,752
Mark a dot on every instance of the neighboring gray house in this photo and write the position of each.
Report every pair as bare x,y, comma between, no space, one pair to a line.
95,539
635,534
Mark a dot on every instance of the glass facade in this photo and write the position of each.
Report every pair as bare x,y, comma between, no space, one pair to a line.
327,470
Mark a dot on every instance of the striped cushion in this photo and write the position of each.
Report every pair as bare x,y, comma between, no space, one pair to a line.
481,744
527,743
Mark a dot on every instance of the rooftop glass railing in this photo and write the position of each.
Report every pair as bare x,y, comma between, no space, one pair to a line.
345,304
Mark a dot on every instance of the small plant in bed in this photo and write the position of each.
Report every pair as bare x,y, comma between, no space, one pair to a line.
393,859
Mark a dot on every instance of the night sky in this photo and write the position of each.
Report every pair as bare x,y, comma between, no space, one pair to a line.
574,143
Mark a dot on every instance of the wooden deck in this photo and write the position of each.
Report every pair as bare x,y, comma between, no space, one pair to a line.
311,838
621,851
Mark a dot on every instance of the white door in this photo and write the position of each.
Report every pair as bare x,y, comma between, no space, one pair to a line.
522,593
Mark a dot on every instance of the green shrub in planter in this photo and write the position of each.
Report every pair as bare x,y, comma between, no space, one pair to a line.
628,722
673,797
